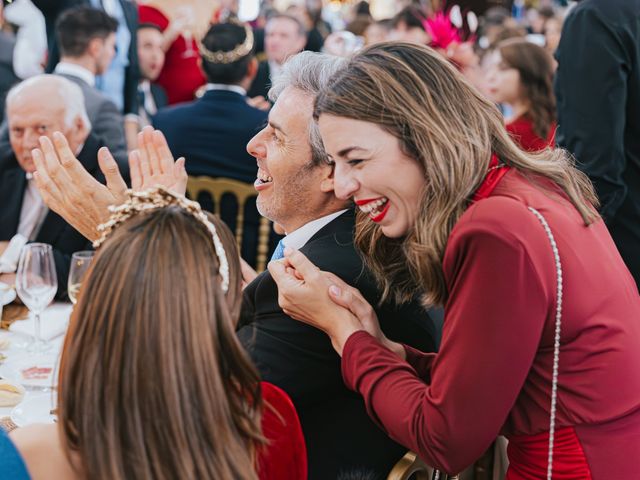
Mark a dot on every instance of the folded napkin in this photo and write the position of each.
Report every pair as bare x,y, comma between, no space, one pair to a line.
9,259
53,322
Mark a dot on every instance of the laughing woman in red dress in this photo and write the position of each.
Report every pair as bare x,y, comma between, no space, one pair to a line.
541,338
523,79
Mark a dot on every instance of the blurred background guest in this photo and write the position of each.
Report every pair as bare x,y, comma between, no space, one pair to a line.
409,26
217,420
285,36
598,90
523,79
39,107
86,39
120,81
377,32
213,131
552,32
8,75
31,38
151,96
183,24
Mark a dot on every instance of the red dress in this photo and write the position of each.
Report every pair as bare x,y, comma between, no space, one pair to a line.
180,76
285,457
521,130
492,374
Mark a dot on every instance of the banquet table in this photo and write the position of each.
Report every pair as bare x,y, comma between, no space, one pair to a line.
54,322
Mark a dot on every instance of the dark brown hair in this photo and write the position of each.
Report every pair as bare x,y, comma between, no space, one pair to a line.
153,381
535,66
451,130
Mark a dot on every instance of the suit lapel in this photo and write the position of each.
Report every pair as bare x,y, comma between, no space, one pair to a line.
12,185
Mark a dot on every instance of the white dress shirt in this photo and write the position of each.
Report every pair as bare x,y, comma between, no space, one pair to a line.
299,237
74,70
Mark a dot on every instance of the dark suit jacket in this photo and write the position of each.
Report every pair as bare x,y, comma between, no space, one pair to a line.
107,122
598,92
159,96
212,134
262,83
51,9
8,77
298,358
55,231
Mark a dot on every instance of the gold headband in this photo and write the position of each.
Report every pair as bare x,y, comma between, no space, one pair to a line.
234,55
156,198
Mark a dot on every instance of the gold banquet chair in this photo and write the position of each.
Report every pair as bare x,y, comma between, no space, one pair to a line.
409,467
217,187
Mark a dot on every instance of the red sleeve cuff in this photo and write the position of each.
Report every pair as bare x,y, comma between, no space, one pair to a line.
352,346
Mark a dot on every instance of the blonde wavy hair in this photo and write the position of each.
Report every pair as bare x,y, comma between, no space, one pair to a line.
451,130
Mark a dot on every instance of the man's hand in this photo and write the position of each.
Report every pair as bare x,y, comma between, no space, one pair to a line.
259,102
3,247
248,273
152,164
70,191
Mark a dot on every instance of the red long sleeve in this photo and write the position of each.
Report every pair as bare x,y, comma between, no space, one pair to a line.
493,372
476,378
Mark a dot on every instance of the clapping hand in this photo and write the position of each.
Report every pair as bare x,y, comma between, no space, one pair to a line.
70,191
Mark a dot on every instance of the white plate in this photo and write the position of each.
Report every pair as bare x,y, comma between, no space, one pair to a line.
15,369
35,409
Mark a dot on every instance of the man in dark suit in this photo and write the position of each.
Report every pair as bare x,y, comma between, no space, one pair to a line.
86,39
212,132
284,36
295,189
38,107
8,78
120,82
151,96
598,93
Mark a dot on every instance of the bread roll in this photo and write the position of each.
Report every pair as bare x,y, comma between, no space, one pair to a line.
10,394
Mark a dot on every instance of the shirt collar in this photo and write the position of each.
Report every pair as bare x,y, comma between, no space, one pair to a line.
299,237
76,71
228,88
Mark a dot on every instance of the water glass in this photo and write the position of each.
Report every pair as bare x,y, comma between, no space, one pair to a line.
36,285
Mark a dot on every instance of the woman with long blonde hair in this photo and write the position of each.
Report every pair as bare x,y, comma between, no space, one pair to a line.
541,339
153,382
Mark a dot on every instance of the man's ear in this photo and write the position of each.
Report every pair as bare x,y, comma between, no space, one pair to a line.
95,46
252,69
326,185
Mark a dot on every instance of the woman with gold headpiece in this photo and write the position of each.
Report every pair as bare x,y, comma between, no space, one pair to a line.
153,382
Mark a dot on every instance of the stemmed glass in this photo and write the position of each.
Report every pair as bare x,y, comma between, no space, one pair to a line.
36,285
80,262
187,17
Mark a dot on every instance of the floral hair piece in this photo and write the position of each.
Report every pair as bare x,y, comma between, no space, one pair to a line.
153,199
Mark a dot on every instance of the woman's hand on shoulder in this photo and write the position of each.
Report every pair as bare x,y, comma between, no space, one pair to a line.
303,294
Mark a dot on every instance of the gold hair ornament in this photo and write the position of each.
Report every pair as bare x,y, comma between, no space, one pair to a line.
153,199
220,56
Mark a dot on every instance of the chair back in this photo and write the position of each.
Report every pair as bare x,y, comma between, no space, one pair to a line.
217,187
410,467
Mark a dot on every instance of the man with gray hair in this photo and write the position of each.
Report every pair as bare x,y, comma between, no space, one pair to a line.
38,107
295,189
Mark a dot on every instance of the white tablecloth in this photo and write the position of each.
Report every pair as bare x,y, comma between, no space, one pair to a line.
54,322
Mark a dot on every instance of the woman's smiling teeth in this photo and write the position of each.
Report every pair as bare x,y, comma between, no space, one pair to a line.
375,207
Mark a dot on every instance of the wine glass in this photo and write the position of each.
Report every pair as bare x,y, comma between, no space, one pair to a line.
80,262
36,285
186,16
